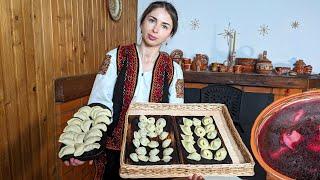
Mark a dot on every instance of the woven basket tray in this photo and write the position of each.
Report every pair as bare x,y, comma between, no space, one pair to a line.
241,162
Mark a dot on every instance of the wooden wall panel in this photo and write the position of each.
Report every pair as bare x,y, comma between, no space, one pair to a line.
40,42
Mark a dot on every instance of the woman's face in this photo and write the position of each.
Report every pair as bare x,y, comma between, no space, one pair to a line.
156,27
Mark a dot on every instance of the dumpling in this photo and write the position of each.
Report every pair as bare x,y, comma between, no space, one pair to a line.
153,144
85,126
213,134
167,151
67,135
92,140
207,154
215,144
102,119
186,130
154,158
103,112
164,135
143,132
151,120
188,146
72,128
68,142
221,154
93,132
79,138
158,130
134,157
81,115
154,152
90,147
196,122
136,142
187,138
79,150
200,131
194,156
151,127
66,150
161,122
141,151
210,128
142,125
85,109
136,135
143,118
166,158
203,143
152,134
144,141
74,121
166,143
143,158
100,126
187,122
207,120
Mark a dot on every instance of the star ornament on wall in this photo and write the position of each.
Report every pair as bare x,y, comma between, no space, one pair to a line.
195,24
295,24
264,30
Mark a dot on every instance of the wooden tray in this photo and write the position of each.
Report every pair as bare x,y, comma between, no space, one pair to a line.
241,163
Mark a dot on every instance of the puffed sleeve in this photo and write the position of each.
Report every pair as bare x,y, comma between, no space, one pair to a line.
102,90
176,89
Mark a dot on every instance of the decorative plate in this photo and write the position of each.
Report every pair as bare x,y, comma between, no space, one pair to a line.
115,9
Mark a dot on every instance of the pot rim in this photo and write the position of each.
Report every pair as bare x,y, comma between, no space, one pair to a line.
266,114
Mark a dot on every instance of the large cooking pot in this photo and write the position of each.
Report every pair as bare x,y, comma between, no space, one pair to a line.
285,137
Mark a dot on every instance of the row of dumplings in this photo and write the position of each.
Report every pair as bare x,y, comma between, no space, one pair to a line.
208,132
84,130
146,136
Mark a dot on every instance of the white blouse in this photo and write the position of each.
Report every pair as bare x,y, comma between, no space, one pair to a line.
103,87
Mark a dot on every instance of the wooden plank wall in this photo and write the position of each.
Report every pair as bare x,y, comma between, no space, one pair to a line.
41,41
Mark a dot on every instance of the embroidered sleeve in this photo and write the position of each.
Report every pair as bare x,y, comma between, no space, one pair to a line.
102,90
176,89
105,64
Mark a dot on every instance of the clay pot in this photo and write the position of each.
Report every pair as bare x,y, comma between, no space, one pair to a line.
215,67
299,66
186,67
264,66
237,69
282,70
307,69
200,62
248,64
266,115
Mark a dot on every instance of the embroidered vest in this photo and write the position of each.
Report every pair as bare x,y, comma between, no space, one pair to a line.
127,71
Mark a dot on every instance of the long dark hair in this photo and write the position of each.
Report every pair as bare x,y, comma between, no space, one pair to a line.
169,8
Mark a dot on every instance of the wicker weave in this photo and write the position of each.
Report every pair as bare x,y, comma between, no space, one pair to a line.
242,161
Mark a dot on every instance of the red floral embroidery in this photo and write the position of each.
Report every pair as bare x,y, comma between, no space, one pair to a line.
105,65
180,88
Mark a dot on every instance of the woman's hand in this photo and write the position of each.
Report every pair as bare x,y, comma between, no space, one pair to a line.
195,177
76,162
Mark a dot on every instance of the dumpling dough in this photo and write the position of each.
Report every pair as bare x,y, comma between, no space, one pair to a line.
92,140
85,125
153,144
142,125
102,119
68,142
144,141
215,144
186,130
67,135
154,158
203,143
79,150
93,132
200,131
187,122
74,121
72,128
164,135
154,152
221,154
81,115
143,133
207,120
66,150
213,134
167,151
166,143
188,146
143,158
207,154
196,122
100,126
136,142
79,138
90,147
136,135
86,110
134,157
194,156
141,151
161,122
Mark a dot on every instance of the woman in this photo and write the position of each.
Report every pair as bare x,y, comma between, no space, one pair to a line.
136,73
